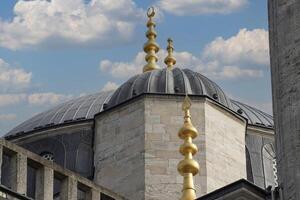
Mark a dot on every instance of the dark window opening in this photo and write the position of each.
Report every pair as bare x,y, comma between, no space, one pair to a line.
6,169
31,181
81,194
56,188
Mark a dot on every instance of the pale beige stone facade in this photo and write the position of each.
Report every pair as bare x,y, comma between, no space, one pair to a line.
224,147
221,143
119,145
137,156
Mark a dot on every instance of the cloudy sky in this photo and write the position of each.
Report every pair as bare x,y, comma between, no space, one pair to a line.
55,50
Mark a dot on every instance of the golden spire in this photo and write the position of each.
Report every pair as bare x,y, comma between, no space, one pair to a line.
188,167
151,47
170,59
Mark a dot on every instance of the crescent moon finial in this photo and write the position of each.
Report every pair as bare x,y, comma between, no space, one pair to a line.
151,47
151,12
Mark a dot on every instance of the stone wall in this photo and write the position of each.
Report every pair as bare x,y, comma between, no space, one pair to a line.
72,186
284,26
164,117
71,147
137,147
221,144
119,150
224,146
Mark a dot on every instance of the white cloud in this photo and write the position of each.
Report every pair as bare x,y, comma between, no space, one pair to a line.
11,99
33,99
196,7
47,98
13,85
57,22
127,69
7,117
244,55
233,72
247,47
123,69
13,78
110,86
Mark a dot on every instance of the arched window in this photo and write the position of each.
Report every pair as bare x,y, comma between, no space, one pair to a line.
49,148
269,164
47,155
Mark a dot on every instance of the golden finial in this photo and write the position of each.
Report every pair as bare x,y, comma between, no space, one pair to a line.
188,167
170,59
151,47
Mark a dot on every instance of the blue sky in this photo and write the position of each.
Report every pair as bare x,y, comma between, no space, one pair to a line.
51,51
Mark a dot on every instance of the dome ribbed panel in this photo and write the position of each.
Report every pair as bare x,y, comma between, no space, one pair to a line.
69,114
169,82
47,117
127,89
97,105
210,90
222,98
81,112
195,83
61,112
202,85
141,83
187,85
236,108
115,97
155,80
179,84
161,82
254,118
267,119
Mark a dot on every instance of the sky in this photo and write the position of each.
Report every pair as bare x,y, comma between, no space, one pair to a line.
54,50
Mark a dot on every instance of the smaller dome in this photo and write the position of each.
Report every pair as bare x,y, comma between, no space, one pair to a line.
166,81
254,116
79,109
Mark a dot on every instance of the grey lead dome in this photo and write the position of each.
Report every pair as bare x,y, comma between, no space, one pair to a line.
76,110
163,81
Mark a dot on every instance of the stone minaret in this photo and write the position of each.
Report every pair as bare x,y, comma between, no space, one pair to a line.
284,26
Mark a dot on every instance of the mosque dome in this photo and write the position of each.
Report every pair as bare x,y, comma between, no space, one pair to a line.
153,80
78,110
175,81
169,81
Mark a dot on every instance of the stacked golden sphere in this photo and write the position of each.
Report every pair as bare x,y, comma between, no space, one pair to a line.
188,167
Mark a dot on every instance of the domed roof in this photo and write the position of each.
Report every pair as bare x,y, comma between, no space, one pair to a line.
79,109
165,81
254,115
